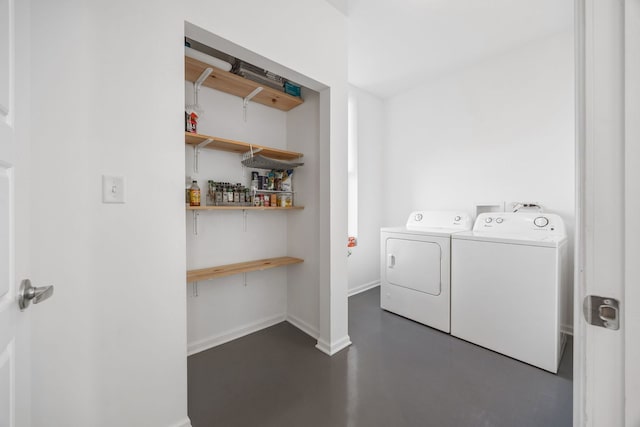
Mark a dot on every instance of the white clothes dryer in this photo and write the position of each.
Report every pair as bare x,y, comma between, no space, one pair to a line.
415,266
507,281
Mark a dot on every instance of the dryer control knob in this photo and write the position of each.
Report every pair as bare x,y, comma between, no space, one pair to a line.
418,217
499,220
458,218
541,221
488,220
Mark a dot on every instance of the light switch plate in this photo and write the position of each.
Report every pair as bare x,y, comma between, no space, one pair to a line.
112,189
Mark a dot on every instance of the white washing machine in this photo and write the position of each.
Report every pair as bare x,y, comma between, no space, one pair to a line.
415,266
508,276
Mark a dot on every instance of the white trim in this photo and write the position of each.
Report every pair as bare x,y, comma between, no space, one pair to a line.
305,327
352,165
332,349
8,359
566,329
631,316
599,353
216,340
184,423
364,287
579,349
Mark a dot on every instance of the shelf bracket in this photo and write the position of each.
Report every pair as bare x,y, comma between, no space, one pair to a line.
196,89
244,278
194,287
195,222
198,83
206,73
246,99
244,217
196,152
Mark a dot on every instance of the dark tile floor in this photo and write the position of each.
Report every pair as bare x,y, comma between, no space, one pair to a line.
397,373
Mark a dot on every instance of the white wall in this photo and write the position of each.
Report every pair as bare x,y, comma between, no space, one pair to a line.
224,308
107,98
364,262
303,280
500,130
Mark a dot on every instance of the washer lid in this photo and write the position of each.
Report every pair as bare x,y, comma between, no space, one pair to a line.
514,239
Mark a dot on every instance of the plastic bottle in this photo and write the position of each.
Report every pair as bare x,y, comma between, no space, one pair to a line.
271,181
194,194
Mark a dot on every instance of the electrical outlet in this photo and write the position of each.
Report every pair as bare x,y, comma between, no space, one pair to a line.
112,189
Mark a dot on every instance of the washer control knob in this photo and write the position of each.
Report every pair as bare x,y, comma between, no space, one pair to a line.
418,217
541,221
499,220
457,218
488,219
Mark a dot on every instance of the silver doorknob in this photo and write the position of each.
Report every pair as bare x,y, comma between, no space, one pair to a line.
28,293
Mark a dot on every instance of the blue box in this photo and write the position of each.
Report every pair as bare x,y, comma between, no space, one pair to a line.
292,89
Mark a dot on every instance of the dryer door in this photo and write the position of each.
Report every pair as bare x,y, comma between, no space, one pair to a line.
413,264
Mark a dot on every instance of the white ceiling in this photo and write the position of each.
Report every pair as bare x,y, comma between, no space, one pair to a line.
394,45
341,5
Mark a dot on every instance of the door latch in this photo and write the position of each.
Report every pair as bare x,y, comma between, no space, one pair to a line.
602,311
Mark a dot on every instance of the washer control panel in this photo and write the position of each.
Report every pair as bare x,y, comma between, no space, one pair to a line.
541,221
527,223
423,220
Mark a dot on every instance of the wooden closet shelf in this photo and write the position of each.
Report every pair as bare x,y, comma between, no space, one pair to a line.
233,84
239,147
242,267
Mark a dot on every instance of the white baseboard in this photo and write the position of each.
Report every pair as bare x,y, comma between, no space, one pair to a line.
364,287
184,423
332,349
216,340
566,329
303,326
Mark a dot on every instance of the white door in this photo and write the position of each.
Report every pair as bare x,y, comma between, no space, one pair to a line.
14,328
606,370
414,264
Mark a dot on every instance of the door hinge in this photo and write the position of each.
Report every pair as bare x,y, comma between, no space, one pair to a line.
602,311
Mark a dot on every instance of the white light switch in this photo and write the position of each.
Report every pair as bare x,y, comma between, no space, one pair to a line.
112,189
